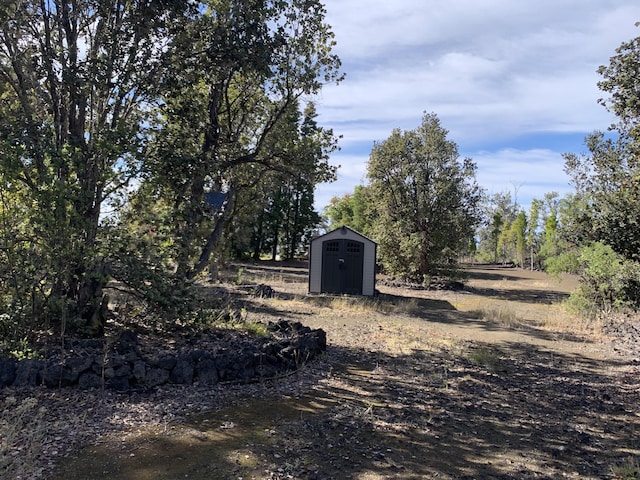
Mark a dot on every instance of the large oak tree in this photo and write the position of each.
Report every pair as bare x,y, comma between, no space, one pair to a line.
100,97
77,81
426,200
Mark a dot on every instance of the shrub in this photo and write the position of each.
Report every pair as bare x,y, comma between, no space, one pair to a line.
608,281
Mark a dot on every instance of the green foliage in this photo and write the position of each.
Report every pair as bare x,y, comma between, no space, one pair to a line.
608,280
627,470
486,357
608,191
602,218
517,235
249,65
565,262
354,210
621,80
427,200
532,239
144,112
498,212
72,129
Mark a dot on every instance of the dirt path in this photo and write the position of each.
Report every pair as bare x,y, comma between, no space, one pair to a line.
495,381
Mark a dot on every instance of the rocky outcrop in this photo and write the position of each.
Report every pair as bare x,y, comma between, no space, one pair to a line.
129,362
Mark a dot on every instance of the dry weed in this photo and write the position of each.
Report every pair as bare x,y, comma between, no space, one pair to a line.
560,321
486,357
501,315
629,470
22,430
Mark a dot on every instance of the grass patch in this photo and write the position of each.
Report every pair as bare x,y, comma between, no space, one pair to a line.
560,321
22,431
628,470
349,304
486,357
500,315
359,304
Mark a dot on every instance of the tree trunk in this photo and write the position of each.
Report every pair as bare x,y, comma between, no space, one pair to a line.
274,247
214,237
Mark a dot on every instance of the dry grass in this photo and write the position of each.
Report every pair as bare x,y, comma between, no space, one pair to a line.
629,470
22,431
404,306
548,317
503,316
430,350
560,321
486,357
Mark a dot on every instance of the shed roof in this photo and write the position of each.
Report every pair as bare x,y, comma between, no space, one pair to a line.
345,228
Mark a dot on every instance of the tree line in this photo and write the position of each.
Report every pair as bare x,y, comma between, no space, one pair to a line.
423,206
120,120
118,117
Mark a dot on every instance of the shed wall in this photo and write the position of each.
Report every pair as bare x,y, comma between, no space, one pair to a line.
369,260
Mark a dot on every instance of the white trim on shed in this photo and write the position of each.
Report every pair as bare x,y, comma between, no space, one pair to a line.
342,261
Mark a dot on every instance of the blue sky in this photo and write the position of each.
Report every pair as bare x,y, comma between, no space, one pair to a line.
514,82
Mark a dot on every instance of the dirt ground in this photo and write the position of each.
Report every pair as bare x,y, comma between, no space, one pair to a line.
494,381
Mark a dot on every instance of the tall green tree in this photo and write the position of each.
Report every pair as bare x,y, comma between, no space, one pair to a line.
608,181
518,235
78,79
173,98
427,200
355,210
244,68
621,80
602,217
498,213
532,230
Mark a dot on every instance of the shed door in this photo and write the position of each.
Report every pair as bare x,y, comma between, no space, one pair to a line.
342,262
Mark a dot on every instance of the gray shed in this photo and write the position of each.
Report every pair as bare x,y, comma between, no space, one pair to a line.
342,261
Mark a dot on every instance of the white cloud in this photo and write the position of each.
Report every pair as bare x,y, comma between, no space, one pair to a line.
493,71
531,172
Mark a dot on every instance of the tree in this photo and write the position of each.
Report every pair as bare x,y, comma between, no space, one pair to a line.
354,210
621,80
78,79
518,234
427,200
173,98
506,252
244,69
610,176
602,218
498,213
532,230
608,184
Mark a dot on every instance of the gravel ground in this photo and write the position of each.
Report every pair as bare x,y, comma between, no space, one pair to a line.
494,381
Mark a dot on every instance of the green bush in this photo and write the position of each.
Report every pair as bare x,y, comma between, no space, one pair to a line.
608,281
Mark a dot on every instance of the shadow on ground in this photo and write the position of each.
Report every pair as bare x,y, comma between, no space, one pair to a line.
482,412
463,410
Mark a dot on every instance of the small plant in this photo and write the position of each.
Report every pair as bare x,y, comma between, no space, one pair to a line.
256,329
629,470
22,350
238,280
486,357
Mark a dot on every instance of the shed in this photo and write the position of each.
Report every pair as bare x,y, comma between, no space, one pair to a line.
342,261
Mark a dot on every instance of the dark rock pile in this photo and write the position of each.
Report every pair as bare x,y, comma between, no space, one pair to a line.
435,283
624,332
130,362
